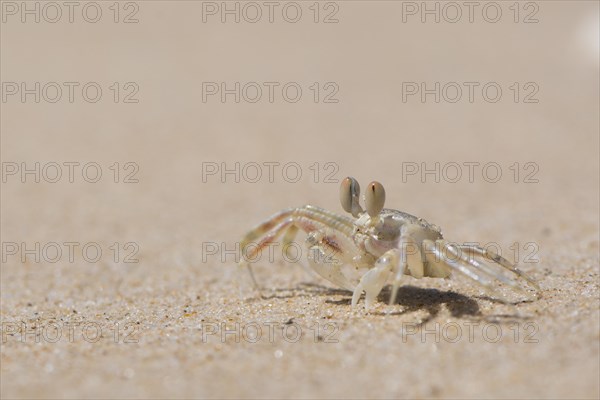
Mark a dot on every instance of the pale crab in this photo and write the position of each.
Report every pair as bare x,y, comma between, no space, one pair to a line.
389,243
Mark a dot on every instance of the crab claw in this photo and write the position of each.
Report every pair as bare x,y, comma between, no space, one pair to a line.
372,282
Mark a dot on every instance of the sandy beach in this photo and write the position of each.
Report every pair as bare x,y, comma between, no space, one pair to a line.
141,140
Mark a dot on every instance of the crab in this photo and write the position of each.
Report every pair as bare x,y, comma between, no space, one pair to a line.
387,243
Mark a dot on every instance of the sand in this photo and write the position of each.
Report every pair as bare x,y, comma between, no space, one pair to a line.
164,312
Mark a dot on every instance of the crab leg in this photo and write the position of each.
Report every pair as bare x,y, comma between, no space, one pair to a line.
409,257
327,267
313,213
325,229
288,238
483,274
373,280
397,278
432,249
457,251
479,266
267,238
490,255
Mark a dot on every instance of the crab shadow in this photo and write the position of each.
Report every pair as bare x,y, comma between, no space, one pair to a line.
412,299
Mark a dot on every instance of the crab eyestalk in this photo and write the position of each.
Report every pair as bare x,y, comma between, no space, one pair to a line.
349,196
374,199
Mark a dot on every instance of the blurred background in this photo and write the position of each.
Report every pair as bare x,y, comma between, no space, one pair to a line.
159,132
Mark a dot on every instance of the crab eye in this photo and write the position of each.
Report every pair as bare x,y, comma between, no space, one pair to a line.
349,192
374,198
